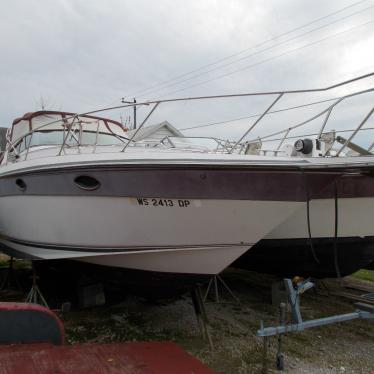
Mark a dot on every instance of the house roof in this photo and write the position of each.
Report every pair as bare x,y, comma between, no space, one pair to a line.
147,131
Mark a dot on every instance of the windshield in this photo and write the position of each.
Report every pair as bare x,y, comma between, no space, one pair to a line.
48,128
56,137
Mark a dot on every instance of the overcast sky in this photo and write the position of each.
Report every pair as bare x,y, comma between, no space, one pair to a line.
80,55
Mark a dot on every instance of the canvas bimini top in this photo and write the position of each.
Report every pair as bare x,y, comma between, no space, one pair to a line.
50,128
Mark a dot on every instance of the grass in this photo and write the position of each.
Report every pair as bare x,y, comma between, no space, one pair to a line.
364,274
4,260
18,264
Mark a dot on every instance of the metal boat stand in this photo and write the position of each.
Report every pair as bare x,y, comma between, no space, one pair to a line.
35,296
10,279
200,312
213,284
364,311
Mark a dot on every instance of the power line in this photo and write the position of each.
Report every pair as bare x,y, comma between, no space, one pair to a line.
226,96
259,114
178,82
249,48
275,111
270,58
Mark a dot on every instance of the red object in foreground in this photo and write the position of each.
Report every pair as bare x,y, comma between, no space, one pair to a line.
124,358
29,323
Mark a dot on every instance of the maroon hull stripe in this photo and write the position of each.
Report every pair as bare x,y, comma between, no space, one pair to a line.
189,183
348,187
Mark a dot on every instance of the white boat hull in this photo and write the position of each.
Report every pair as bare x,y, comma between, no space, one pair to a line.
355,219
200,237
286,251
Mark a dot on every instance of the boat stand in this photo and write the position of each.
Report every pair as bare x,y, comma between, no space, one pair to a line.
200,312
35,296
213,284
10,279
364,311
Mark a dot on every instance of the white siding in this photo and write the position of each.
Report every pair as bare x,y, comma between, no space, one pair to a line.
160,134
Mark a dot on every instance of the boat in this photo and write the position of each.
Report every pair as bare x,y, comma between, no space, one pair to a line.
74,187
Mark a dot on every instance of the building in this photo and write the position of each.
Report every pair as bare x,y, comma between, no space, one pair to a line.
154,133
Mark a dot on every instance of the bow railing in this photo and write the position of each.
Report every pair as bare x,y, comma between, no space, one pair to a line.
238,146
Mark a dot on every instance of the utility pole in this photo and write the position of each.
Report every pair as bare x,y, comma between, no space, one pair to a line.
134,114
134,108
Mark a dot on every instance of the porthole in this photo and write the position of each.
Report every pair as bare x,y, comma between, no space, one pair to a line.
85,182
20,183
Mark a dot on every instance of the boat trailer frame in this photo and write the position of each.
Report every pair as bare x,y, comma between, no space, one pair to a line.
364,311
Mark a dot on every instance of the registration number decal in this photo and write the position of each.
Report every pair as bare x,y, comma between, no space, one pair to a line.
166,203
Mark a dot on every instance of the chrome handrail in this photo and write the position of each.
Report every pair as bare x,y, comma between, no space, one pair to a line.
356,131
326,111
220,142
228,146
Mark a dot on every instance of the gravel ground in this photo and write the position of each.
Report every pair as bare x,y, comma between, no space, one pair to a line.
339,348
